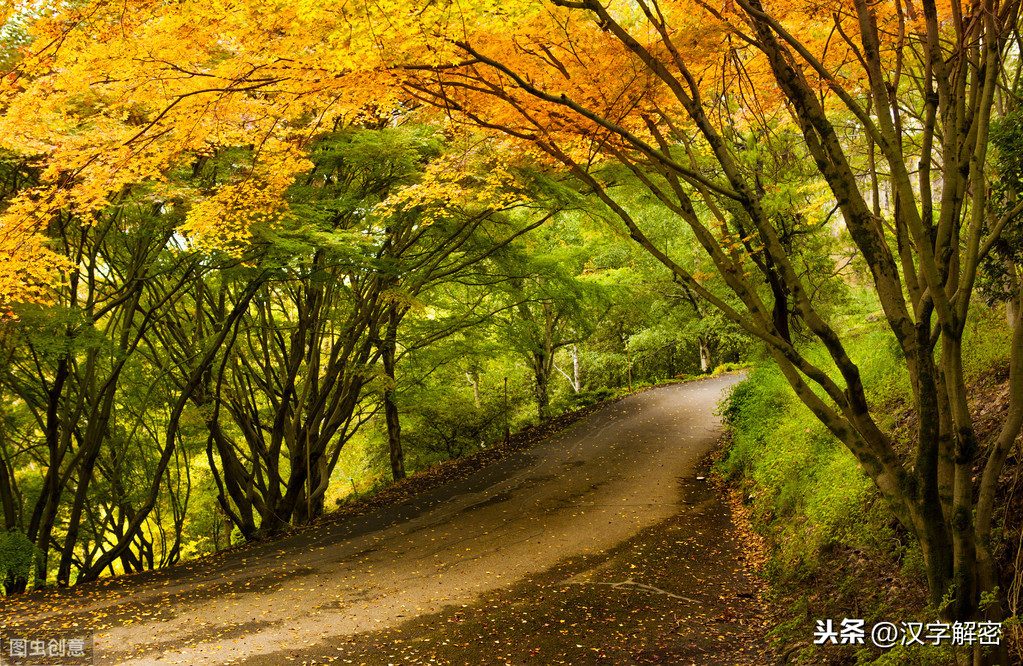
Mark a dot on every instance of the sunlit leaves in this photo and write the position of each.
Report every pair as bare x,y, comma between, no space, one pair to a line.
255,197
27,266
458,181
113,95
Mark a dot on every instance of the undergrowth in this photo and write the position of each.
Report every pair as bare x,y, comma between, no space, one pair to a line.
836,549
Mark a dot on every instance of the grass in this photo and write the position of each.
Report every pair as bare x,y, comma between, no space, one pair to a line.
836,549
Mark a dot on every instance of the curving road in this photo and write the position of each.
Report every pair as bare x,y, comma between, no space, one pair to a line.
582,491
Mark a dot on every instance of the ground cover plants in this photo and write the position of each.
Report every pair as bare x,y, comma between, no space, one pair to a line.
834,549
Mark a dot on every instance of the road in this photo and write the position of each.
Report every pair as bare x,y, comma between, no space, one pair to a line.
583,491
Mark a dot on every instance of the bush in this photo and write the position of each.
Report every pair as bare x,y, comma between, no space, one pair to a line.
587,398
751,411
729,367
16,555
986,342
451,426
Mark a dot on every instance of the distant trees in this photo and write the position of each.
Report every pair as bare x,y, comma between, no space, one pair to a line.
554,306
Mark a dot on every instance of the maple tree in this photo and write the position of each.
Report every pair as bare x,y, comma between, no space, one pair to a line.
892,103
70,365
667,98
349,269
554,306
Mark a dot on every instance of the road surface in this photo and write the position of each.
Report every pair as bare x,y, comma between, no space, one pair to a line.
583,491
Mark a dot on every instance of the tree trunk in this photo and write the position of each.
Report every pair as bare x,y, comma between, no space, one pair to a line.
473,377
299,503
391,417
7,487
45,511
541,382
234,482
81,497
95,434
193,383
577,384
397,454
1012,305
705,362
780,311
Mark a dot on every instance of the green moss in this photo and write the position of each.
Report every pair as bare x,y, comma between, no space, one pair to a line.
962,517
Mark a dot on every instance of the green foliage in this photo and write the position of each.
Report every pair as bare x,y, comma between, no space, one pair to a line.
752,411
806,484
535,308
986,342
1007,140
590,397
451,426
730,367
999,274
16,556
811,500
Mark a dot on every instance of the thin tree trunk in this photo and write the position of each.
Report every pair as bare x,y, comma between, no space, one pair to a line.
576,369
7,487
1012,305
541,382
473,378
194,382
704,353
45,511
391,417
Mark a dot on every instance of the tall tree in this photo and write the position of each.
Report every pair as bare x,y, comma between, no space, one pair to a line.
68,362
917,83
892,103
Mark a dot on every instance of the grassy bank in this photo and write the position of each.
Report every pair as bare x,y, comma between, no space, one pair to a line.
836,549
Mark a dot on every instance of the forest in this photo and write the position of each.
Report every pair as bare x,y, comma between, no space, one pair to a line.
261,259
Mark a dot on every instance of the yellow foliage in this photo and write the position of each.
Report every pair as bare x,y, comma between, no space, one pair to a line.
467,181
115,94
27,266
223,220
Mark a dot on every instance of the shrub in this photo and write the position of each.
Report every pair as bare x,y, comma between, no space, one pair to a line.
16,555
451,426
587,398
730,367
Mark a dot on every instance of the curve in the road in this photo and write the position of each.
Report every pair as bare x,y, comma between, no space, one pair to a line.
582,491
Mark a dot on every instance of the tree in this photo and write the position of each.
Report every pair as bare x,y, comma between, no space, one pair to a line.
891,103
916,82
70,363
436,233
552,305
288,395
662,323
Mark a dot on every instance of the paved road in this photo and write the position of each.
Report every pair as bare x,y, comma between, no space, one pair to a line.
583,491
